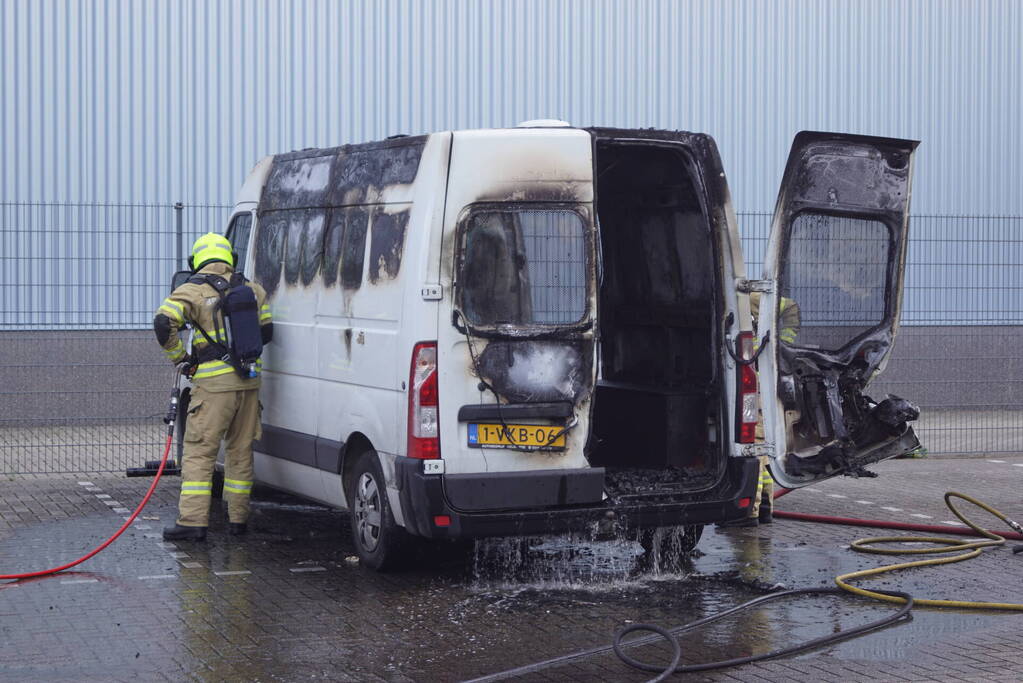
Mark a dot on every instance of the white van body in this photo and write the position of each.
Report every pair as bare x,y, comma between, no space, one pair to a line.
546,328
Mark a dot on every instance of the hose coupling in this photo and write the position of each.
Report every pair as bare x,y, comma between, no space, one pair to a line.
172,411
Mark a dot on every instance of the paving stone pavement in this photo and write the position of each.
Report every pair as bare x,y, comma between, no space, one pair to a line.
289,603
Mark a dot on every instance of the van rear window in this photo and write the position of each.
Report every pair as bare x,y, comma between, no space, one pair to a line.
524,268
836,274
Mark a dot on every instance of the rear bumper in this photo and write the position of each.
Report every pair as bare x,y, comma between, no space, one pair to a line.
423,500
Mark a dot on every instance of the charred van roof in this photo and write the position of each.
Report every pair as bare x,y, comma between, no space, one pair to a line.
360,147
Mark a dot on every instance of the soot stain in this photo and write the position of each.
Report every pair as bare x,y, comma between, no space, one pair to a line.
532,371
298,180
357,169
387,244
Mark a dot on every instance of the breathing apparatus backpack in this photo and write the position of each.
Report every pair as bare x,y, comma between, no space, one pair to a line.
239,315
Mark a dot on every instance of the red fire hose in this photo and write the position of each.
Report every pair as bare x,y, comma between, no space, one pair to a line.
172,414
127,523
880,524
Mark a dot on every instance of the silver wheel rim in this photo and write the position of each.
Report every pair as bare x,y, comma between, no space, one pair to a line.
367,511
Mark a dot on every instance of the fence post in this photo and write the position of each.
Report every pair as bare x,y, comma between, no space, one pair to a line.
179,231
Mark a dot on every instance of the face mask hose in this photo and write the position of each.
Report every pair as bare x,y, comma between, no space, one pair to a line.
171,418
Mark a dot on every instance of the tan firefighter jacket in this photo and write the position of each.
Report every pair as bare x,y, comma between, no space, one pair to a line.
788,317
196,303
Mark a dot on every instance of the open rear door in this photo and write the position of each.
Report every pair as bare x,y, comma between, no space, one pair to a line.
834,268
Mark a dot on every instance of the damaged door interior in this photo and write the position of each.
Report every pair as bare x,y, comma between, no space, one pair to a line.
837,254
658,400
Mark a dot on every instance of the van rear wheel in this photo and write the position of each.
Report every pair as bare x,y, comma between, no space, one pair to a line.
379,542
666,548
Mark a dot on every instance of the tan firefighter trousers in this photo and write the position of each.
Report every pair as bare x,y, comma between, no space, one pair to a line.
764,498
214,416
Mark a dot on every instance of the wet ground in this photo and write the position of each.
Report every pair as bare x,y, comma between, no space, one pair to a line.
290,601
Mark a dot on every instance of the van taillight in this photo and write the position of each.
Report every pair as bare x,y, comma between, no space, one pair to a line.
749,407
423,425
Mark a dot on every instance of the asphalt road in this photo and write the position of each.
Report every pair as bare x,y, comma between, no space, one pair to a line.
290,602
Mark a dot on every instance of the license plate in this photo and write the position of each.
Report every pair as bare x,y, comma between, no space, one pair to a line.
534,437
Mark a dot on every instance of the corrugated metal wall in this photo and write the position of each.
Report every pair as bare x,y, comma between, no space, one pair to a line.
113,110
127,101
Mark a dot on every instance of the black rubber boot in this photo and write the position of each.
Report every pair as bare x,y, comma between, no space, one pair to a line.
766,516
237,528
184,533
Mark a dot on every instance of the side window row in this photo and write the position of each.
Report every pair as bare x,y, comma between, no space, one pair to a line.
331,243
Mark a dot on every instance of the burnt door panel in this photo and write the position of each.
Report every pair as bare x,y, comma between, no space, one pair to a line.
837,255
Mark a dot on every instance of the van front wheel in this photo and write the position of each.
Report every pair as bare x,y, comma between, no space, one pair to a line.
380,543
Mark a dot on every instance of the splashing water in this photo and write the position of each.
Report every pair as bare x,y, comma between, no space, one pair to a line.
577,562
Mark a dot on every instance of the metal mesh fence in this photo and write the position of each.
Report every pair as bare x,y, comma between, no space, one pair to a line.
83,385
957,354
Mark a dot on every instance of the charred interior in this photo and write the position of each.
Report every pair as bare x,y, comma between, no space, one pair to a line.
657,403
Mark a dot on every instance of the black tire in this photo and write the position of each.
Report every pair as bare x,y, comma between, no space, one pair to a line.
379,542
667,548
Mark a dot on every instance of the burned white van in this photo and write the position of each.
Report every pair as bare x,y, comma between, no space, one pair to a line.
546,328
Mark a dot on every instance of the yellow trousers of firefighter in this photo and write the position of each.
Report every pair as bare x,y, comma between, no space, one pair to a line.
213,417
765,489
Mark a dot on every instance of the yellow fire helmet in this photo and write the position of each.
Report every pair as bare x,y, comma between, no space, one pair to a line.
211,247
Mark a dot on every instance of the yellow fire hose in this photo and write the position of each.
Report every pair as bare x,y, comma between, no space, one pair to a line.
968,551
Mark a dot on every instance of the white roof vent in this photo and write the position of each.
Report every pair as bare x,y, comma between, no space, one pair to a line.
544,123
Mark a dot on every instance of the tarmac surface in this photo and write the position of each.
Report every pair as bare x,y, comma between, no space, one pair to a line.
290,602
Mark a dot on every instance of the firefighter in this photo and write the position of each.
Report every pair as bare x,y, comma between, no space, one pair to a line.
761,510
225,396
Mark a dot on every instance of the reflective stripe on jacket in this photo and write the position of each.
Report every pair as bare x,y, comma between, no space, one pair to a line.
789,320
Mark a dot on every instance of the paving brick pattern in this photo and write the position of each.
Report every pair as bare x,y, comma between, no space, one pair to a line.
287,602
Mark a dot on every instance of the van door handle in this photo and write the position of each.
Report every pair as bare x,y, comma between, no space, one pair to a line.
456,316
729,345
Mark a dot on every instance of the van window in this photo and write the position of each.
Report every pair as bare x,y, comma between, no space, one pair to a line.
332,246
303,244
293,246
524,268
837,274
312,244
238,235
387,242
353,248
344,247
273,228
